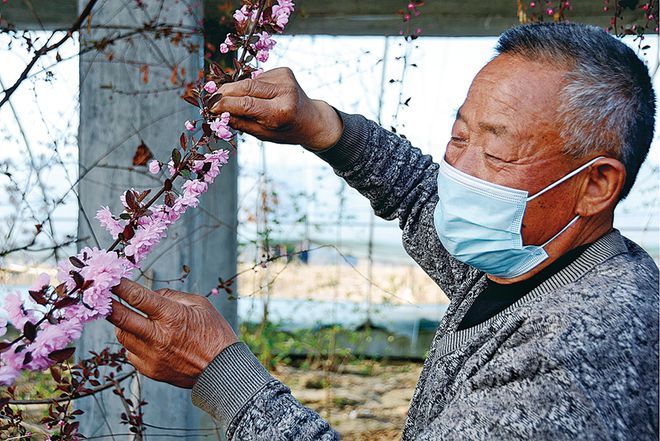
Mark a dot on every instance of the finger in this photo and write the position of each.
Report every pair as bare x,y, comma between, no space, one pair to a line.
139,297
244,106
248,87
179,297
248,126
133,343
128,320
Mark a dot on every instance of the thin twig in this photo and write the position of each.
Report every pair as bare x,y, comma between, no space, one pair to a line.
46,48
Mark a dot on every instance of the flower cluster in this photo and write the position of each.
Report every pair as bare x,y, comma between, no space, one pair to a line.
408,15
273,19
55,314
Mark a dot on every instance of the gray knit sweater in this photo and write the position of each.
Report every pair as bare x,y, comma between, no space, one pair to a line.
576,358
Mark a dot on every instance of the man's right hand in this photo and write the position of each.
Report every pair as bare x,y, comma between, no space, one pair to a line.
273,107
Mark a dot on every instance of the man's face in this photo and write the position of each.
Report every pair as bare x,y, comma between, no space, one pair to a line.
507,132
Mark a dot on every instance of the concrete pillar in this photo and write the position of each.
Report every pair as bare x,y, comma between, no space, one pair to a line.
118,110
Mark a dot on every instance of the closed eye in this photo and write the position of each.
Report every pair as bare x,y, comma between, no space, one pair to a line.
494,158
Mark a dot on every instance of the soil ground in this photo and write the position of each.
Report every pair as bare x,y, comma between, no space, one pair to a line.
363,402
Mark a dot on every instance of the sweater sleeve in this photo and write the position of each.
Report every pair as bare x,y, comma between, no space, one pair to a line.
249,404
401,183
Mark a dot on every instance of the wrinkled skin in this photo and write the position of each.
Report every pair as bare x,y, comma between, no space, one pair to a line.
177,339
506,133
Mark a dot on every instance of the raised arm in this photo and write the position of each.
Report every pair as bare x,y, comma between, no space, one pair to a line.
397,178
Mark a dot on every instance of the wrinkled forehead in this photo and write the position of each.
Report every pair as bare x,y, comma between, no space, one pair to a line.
514,85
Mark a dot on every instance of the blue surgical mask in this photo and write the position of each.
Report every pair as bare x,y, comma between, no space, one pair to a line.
480,223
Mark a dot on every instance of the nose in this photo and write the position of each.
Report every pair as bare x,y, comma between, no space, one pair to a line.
466,159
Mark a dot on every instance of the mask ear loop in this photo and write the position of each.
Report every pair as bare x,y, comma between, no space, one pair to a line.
568,176
568,225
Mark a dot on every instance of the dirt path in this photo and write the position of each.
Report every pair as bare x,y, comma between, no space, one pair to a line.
365,401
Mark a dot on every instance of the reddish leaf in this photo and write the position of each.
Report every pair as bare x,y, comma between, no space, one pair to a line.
142,154
143,195
56,373
213,100
144,70
216,69
168,184
87,284
169,199
30,331
183,141
60,289
28,358
38,297
77,278
4,345
62,354
175,75
66,301
76,262
130,200
128,232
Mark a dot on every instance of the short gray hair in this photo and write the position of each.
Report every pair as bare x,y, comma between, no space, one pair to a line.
608,101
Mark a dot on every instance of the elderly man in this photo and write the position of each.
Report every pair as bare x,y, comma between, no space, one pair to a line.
552,330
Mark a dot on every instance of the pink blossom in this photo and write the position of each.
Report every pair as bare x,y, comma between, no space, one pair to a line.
8,375
280,16
286,4
219,126
13,358
214,292
183,202
255,73
170,168
154,167
52,338
265,42
106,269
146,237
43,280
222,156
211,87
224,48
107,221
241,15
63,268
230,42
194,187
190,125
18,310
262,56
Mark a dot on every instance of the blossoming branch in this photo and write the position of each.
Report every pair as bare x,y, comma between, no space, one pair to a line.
54,314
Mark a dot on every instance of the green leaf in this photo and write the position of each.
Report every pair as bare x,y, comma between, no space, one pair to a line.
176,157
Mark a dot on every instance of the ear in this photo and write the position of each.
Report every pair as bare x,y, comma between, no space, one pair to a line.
601,187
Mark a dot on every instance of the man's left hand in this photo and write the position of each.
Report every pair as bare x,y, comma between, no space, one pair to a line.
180,335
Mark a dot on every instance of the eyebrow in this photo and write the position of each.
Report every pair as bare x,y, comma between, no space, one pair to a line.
495,129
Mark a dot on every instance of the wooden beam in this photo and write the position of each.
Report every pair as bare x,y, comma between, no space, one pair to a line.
451,18
39,14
